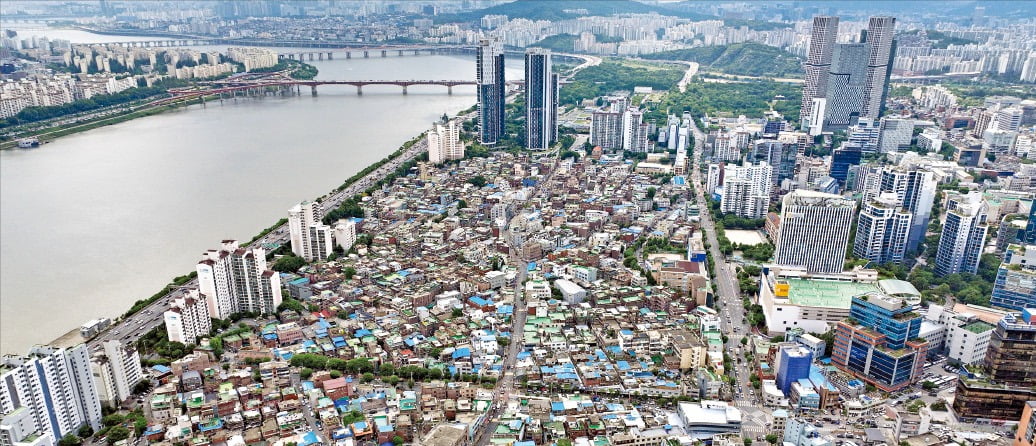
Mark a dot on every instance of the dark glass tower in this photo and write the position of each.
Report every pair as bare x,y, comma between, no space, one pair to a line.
491,93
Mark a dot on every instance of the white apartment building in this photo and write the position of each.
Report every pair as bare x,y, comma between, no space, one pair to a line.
310,238
17,428
814,231
606,129
252,58
930,139
963,234
236,280
55,385
116,371
345,233
882,230
444,143
746,190
187,320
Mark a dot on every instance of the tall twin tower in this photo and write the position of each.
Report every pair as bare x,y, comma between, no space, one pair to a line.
541,95
846,81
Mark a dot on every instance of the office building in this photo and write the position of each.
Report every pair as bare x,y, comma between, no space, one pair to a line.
963,337
799,432
1008,381
895,134
1015,284
879,343
814,231
541,100
746,190
880,54
882,230
236,280
444,142
55,385
963,234
1008,119
310,238
915,192
793,363
845,86
116,371
709,418
795,299
17,428
187,320
818,63
842,161
1025,434
489,65
1030,227
345,234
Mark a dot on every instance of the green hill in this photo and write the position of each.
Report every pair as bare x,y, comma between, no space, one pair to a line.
565,9
563,43
748,59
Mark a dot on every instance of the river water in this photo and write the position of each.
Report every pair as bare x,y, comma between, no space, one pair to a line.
94,221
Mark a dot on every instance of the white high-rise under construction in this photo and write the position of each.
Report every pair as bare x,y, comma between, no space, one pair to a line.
310,238
814,231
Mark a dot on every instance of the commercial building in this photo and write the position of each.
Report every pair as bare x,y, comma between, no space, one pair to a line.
781,157
541,100
879,343
310,238
963,234
794,299
843,159
818,63
1009,379
709,418
814,231
964,336
236,279
845,86
882,230
793,363
799,432
815,345
55,385
116,371
746,190
1015,284
489,65
444,142
895,134
187,320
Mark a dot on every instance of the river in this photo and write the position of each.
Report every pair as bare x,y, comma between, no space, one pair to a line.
94,221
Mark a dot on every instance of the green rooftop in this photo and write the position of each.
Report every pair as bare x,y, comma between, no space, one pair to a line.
826,293
979,327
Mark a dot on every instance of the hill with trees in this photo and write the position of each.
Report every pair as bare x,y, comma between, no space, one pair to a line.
748,59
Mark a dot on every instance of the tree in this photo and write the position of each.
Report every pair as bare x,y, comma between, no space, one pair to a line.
305,373
70,440
747,441
142,386
478,181
117,434
457,312
564,442
85,431
928,385
397,440
288,264
113,420
349,272
771,438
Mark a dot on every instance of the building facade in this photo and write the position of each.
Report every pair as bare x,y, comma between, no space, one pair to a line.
187,320
879,342
310,238
116,372
963,234
541,100
746,190
882,230
489,65
236,279
818,63
55,385
1009,380
814,231
1015,284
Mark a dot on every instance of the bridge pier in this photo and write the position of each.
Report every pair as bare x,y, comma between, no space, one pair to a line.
449,89
359,90
321,56
404,89
417,52
330,55
400,52
313,90
310,56
366,54
348,55
384,53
